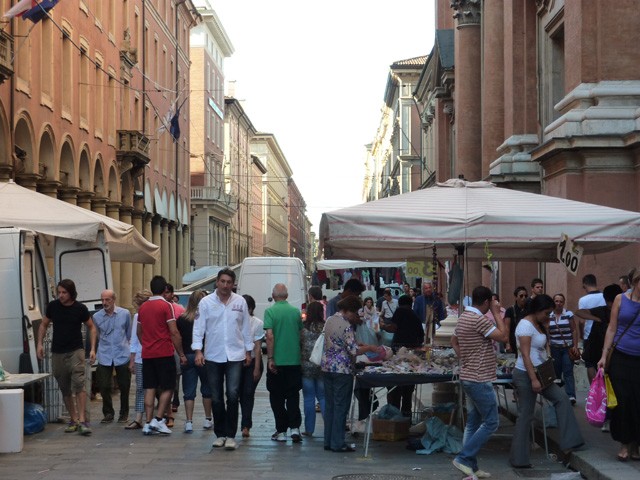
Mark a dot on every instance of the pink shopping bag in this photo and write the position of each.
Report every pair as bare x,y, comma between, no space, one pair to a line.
596,406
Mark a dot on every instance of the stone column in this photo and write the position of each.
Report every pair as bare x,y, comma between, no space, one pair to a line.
84,200
173,257
137,282
126,268
492,82
99,205
69,195
49,188
180,256
468,89
147,269
467,103
156,238
113,211
164,249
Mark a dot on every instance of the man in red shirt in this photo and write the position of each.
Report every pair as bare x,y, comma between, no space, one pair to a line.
159,337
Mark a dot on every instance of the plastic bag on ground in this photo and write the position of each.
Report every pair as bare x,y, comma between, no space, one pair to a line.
440,438
389,412
35,418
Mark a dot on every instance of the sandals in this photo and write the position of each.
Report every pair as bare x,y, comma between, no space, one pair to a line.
135,425
170,421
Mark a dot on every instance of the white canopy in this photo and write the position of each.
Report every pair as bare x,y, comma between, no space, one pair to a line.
24,208
512,225
345,264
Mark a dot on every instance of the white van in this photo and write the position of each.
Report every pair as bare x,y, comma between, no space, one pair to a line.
26,289
258,275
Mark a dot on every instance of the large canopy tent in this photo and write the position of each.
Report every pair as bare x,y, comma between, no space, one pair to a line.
24,208
478,216
346,264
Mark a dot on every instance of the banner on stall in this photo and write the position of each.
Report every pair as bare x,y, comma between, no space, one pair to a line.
419,268
569,254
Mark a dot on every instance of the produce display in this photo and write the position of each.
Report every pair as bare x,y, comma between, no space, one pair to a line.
432,361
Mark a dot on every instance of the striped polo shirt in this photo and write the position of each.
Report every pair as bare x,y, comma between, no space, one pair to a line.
560,328
477,356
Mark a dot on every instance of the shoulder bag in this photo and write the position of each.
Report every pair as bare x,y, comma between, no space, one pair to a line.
318,350
546,373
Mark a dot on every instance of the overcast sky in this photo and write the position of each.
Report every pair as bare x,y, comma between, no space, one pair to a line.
314,74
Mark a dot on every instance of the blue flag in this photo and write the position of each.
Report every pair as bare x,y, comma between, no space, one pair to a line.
174,129
39,11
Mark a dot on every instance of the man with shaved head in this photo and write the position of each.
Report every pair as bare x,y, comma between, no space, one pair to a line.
283,324
113,325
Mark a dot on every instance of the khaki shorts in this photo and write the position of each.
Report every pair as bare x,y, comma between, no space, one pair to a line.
68,370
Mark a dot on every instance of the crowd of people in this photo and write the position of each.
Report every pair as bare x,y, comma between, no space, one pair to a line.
217,341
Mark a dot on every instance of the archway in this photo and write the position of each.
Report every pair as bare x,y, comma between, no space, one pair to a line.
67,165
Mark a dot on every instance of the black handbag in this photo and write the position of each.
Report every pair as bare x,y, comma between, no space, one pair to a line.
546,373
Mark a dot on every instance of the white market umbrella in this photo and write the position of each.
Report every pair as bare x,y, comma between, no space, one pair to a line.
510,224
24,208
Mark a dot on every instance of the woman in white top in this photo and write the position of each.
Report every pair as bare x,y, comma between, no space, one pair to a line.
135,361
531,337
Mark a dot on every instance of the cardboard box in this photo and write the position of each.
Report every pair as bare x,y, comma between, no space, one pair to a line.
390,430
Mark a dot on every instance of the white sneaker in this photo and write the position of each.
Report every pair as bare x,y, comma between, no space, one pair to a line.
463,468
208,424
605,426
230,444
482,474
219,442
279,437
146,430
359,426
188,426
159,426
295,435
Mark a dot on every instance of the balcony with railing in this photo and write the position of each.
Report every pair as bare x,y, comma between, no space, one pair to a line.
6,52
133,151
215,195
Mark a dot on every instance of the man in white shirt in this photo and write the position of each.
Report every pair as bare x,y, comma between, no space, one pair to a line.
223,318
592,299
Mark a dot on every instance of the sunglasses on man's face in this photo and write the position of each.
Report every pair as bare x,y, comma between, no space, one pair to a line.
522,295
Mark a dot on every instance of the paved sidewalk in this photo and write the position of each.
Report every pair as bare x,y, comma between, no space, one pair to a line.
114,453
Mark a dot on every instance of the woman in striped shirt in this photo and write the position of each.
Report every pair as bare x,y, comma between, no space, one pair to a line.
563,336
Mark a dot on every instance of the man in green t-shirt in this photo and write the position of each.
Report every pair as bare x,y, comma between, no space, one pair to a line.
283,324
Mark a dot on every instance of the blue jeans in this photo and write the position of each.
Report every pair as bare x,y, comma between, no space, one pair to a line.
482,420
247,392
225,420
190,374
337,389
312,388
563,365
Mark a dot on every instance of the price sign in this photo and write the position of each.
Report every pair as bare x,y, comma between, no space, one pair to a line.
569,254
419,268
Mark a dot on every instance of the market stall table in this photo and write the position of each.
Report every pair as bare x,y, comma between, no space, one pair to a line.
11,409
379,381
21,380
